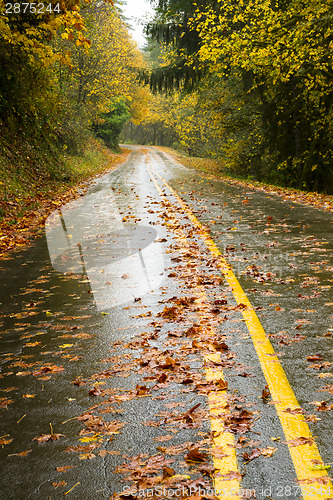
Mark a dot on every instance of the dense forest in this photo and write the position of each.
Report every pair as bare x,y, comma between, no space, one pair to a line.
248,82
68,71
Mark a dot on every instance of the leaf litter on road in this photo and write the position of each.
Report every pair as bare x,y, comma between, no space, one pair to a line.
162,366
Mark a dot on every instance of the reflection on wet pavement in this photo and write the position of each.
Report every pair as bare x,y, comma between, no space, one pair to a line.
88,237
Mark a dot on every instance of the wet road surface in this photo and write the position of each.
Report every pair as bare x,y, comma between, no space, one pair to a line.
129,364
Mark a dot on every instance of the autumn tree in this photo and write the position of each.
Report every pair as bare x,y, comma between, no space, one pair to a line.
274,61
101,79
28,54
64,69
285,54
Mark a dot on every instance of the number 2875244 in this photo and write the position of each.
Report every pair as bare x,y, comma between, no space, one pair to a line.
32,8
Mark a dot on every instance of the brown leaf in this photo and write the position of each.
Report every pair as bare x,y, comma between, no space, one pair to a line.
168,472
79,382
187,381
43,438
220,346
315,357
60,483
194,330
123,496
265,392
195,455
114,427
169,312
300,441
85,456
5,401
168,362
4,441
141,390
164,438
23,454
222,384
104,453
322,405
256,452
65,468
311,418
294,411
162,378
208,469
96,391
220,302
232,475
48,369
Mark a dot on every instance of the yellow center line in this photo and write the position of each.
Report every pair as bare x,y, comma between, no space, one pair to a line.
223,442
315,484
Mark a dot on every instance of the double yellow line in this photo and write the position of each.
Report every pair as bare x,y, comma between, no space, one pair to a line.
310,469
217,400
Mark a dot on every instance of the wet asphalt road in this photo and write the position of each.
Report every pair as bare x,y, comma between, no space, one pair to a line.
82,313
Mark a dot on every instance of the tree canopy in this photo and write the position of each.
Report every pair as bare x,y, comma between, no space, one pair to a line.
63,69
262,76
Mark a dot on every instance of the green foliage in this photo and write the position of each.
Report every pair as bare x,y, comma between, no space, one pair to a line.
171,28
111,124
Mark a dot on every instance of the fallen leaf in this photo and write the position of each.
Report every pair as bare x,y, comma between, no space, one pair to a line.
48,369
164,438
294,411
141,390
65,468
220,346
22,454
96,391
222,384
43,438
300,441
269,451
90,439
84,456
315,357
312,418
60,483
256,452
5,401
168,472
322,405
195,455
4,441
232,475
265,392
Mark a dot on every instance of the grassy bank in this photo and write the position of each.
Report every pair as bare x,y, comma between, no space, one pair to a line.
214,169
34,182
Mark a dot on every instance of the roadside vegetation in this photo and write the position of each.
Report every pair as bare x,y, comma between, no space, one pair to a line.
29,194
213,169
68,76
248,83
